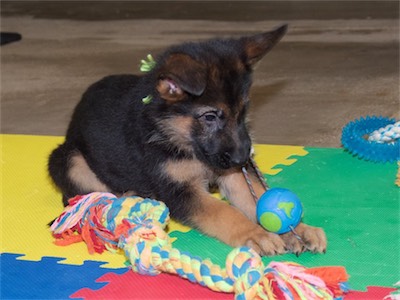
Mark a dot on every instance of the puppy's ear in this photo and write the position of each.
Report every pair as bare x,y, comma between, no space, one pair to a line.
256,46
181,74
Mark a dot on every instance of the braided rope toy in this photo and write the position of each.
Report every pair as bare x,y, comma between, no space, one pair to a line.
387,134
136,225
373,138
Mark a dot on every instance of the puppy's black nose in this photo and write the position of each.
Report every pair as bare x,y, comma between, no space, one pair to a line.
238,162
239,158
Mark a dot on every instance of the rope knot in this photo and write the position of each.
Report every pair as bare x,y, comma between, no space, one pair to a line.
145,236
143,244
245,268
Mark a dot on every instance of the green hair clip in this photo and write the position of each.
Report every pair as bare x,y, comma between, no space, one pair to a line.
146,65
147,99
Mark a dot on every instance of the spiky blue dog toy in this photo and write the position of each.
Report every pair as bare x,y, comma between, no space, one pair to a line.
373,138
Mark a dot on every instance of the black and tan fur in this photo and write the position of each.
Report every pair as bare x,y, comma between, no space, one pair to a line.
191,135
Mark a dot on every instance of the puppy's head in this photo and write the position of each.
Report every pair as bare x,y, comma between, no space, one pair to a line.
203,91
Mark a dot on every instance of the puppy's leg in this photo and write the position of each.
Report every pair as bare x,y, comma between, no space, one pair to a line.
233,185
191,203
71,173
82,177
225,222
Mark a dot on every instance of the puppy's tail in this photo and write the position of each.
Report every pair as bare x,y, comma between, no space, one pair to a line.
58,166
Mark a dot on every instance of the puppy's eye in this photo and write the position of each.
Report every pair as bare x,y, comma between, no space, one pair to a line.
210,117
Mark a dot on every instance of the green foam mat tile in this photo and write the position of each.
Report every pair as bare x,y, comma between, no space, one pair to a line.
357,203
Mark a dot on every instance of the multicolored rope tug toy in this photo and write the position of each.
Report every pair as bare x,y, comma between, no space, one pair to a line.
136,225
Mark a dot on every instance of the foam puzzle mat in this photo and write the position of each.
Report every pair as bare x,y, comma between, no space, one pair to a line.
356,202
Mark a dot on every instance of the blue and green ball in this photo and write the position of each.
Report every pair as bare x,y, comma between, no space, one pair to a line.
279,210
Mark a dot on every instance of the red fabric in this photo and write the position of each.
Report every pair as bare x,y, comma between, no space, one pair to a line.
332,276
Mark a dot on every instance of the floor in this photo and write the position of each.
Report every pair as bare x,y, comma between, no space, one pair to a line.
344,195
338,62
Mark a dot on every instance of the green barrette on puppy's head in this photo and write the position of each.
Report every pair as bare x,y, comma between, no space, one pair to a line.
146,65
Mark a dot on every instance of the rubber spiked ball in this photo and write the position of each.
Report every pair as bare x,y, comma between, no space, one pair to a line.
279,210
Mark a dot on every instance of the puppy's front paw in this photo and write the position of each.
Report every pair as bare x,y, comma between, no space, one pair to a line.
265,243
313,239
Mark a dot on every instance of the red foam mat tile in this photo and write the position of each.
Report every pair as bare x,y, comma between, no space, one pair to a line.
134,286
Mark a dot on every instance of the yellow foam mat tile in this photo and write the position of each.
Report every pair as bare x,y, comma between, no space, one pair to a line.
268,157
29,200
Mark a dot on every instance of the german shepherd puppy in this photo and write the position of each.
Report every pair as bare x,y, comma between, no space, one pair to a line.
192,133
